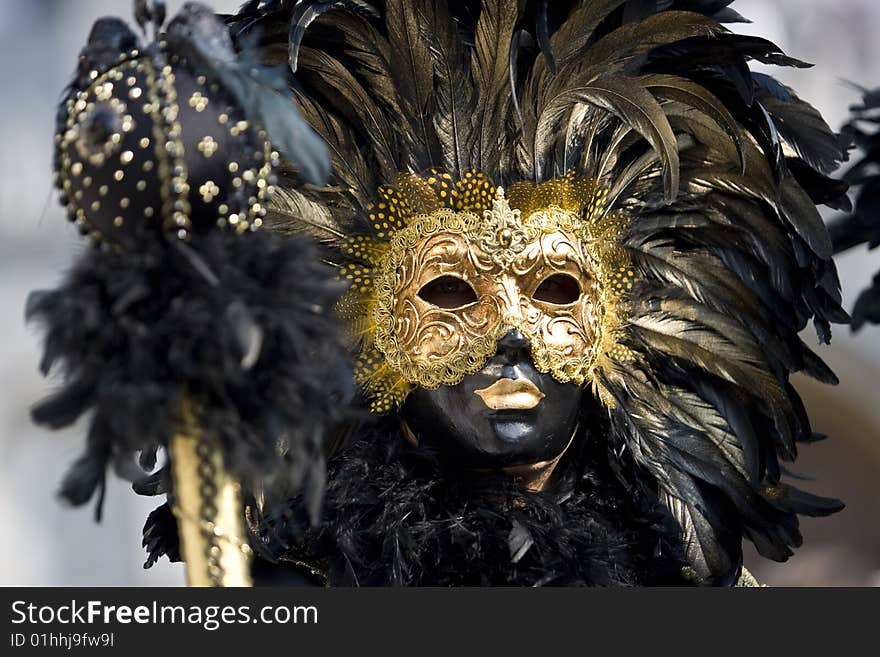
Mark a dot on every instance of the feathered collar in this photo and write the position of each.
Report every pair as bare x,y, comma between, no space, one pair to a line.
395,515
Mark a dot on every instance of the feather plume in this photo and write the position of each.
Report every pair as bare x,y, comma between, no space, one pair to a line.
341,88
694,96
800,125
494,33
290,210
629,101
413,74
305,13
454,88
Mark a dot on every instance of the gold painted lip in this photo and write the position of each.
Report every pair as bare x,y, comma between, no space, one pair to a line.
511,394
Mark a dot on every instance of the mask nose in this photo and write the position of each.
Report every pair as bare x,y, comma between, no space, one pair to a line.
513,345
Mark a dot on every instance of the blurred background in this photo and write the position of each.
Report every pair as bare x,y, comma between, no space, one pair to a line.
47,544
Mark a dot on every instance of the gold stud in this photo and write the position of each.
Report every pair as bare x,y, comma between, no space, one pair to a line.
208,191
207,146
104,91
198,102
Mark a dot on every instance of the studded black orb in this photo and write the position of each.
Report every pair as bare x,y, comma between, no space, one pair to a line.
151,144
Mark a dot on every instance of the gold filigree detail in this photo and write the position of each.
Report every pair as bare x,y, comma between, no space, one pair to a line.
505,235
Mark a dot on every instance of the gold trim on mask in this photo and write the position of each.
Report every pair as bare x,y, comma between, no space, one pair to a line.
427,227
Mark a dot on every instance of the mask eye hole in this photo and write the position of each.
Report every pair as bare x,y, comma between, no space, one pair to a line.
448,292
558,289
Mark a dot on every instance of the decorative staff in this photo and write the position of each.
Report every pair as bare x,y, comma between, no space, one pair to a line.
190,335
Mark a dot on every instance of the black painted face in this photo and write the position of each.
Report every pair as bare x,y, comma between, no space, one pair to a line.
506,414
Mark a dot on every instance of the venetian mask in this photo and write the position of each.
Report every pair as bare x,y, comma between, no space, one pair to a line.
456,273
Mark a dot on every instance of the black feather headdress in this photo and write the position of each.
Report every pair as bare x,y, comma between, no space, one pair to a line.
717,170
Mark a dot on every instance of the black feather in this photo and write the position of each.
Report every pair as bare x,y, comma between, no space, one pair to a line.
862,225
160,538
395,515
128,366
304,13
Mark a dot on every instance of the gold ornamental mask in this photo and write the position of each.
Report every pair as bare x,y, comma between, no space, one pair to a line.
453,267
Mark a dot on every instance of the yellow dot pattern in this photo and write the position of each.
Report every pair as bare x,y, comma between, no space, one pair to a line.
421,197
621,279
475,193
353,308
360,276
390,213
365,249
444,187
414,194
609,227
597,206
572,193
385,389
620,353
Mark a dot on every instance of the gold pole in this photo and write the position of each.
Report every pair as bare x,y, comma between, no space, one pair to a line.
207,504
